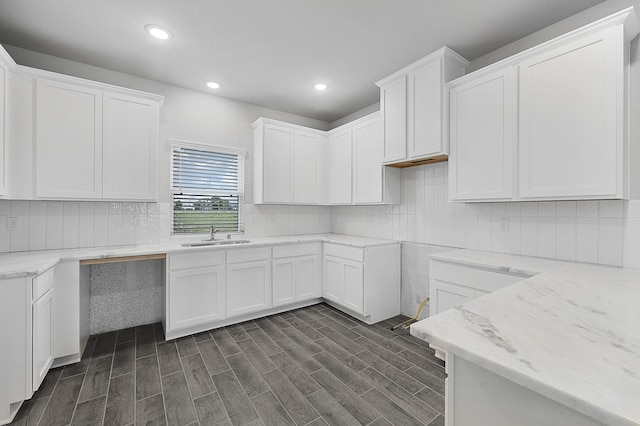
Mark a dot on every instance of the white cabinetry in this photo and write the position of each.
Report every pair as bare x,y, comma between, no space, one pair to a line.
483,136
355,157
5,61
68,141
196,289
339,160
288,163
248,280
413,106
363,281
572,98
130,147
451,285
550,123
95,144
296,273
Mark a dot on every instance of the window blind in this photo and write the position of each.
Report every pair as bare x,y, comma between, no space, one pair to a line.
207,186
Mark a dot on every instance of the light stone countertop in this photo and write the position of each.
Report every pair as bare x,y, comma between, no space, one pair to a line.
36,262
571,332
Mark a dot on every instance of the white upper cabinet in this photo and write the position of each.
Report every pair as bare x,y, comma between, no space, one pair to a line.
571,141
95,144
307,164
299,165
287,163
68,141
5,60
130,147
549,123
413,106
483,134
340,167
356,173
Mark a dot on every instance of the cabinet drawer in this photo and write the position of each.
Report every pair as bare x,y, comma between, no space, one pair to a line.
475,278
345,252
197,259
294,250
248,254
42,283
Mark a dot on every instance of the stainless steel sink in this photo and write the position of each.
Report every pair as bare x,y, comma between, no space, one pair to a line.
215,243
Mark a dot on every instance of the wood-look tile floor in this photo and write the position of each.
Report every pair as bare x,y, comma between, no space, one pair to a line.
312,366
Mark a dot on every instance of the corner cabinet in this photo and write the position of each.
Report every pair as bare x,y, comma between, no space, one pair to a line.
550,123
296,273
93,143
299,165
413,104
364,282
288,163
356,174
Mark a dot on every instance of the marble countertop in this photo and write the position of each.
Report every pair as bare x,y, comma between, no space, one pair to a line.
36,262
570,332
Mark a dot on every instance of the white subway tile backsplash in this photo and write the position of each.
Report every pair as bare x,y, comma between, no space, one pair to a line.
587,240
5,207
547,209
19,208
529,209
587,208
37,232
611,208
529,236
547,237
631,242
566,238
86,226
567,208
55,208
610,242
101,230
70,238
55,229
71,208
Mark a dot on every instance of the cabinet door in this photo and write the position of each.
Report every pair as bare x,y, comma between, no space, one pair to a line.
284,281
306,167
3,95
333,279
393,106
130,148
483,121
277,164
570,133
425,111
68,141
248,287
353,286
445,296
307,278
196,296
340,168
367,169
43,337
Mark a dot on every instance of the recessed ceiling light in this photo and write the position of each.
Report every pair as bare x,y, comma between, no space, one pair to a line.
158,32
320,86
212,85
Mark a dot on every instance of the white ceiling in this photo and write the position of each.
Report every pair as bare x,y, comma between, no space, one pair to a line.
271,52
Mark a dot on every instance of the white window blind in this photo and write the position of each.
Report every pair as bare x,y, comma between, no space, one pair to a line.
207,186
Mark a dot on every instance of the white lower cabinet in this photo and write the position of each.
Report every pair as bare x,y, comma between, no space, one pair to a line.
363,281
295,273
43,337
196,289
248,280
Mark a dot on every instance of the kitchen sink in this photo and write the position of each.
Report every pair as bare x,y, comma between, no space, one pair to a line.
215,243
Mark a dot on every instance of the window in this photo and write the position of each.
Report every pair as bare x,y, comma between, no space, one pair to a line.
207,188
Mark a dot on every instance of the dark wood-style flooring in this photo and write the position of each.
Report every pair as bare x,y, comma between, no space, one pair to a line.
312,366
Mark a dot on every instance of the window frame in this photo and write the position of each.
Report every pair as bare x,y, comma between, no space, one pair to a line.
240,153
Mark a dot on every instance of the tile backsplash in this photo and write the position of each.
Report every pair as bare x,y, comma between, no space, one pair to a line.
603,232
46,225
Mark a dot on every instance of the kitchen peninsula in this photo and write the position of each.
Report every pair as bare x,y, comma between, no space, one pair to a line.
560,347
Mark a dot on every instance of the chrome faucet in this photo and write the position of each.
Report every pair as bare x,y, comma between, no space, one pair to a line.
213,233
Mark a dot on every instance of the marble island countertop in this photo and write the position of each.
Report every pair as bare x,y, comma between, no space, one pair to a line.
570,332
36,262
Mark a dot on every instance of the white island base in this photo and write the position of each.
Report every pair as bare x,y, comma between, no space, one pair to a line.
476,396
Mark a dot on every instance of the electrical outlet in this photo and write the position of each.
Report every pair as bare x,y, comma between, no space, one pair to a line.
504,224
13,224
